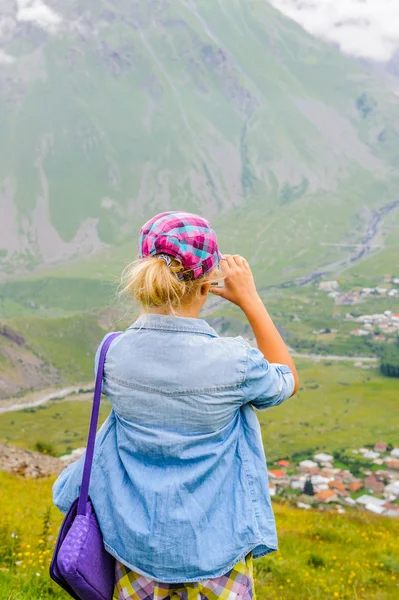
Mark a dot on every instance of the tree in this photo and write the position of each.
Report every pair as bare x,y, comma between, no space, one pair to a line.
308,489
390,360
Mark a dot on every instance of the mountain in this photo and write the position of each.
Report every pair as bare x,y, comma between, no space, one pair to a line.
113,110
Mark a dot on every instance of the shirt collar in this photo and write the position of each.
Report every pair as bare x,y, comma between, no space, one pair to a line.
172,323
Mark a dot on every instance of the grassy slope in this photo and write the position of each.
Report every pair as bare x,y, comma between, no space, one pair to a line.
65,344
338,406
322,556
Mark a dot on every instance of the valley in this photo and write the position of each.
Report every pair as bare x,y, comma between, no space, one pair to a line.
363,249
114,110
338,406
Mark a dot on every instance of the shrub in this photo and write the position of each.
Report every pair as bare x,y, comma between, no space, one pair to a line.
45,448
316,561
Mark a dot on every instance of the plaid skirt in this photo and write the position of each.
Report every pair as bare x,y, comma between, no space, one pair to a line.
237,584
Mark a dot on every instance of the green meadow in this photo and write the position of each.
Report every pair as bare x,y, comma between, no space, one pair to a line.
338,406
322,556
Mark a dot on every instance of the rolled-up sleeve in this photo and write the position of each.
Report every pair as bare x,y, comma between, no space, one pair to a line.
266,384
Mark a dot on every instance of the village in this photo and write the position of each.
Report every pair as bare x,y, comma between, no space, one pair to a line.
377,325
370,482
382,326
361,295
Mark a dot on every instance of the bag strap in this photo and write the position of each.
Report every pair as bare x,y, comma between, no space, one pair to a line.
84,489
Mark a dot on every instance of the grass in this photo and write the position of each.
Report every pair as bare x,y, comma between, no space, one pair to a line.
64,425
28,530
337,406
66,343
327,556
43,296
322,556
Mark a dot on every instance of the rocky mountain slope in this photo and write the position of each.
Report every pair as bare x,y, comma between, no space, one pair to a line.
111,111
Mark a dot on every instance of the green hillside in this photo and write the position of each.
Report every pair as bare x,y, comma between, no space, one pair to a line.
228,109
50,327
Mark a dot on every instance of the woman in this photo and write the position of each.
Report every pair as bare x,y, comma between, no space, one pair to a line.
179,481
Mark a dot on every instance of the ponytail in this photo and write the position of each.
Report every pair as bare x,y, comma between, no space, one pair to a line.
154,284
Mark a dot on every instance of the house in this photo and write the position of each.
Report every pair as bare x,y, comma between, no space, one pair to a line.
390,506
391,490
347,477
319,479
329,472
355,486
374,508
392,475
306,465
322,457
272,489
350,501
276,474
279,478
370,455
395,453
381,446
326,496
328,286
366,499
321,487
392,464
283,463
297,484
372,484
338,487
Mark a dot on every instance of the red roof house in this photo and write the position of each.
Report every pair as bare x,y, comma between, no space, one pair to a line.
283,463
326,496
339,487
276,474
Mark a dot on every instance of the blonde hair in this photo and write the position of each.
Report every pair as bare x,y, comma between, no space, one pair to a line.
153,284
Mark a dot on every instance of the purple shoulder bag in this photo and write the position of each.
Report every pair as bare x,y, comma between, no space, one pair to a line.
80,564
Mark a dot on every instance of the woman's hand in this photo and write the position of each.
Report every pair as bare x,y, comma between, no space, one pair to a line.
239,288
239,284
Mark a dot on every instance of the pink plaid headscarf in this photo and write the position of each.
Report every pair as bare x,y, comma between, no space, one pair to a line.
185,236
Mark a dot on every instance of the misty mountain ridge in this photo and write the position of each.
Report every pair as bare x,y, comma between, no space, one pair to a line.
112,111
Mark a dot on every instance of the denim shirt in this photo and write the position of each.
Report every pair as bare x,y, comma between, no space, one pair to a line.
179,481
